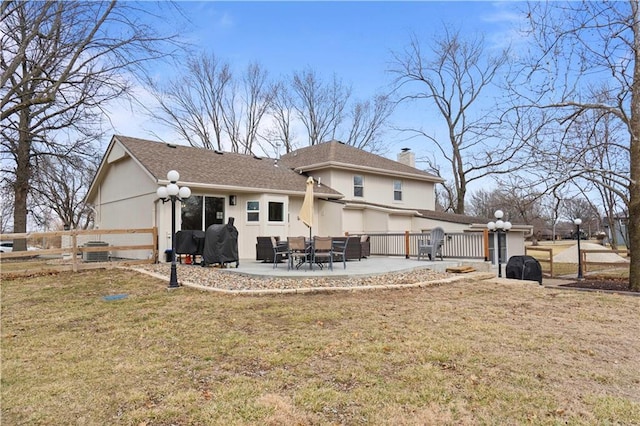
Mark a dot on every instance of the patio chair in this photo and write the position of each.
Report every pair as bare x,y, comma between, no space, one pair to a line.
280,251
299,250
340,250
433,247
264,248
322,250
365,246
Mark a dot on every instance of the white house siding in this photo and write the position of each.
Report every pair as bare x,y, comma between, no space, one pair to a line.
369,219
126,201
124,180
379,189
249,231
352,220
163,223
330,218
415,195
375,221
515,244
274,228
399,223
295,226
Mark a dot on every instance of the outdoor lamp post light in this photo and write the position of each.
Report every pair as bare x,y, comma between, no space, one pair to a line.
171,192
499,227
578,222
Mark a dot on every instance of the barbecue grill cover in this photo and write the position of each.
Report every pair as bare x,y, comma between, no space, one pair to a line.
524,268
221,244
189,242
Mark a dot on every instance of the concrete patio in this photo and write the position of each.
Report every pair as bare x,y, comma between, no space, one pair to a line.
373,265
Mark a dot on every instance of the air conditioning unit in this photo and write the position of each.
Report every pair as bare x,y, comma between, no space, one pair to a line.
96,256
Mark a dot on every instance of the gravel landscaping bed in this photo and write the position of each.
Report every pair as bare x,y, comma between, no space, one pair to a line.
229,280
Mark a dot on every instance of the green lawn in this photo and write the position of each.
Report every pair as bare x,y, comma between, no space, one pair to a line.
474,353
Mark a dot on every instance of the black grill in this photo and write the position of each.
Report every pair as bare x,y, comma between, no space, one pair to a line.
524,268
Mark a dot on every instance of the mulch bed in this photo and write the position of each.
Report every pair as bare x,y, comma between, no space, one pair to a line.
602,283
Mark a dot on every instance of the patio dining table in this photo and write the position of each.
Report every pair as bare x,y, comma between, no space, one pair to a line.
308,256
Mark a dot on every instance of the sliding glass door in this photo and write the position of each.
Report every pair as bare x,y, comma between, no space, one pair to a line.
199,212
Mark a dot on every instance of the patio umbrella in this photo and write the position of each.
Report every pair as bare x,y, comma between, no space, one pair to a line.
306,212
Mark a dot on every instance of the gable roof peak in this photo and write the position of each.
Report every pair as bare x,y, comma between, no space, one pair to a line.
338,154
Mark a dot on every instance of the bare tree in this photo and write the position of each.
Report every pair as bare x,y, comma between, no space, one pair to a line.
193,105
452,76
368,119
521,202
585,57
61,186
581,207
253,103
514,197
326,113
595,138
211,109
61,63
444,197
6,208
553,205
281,133
482,203
319,105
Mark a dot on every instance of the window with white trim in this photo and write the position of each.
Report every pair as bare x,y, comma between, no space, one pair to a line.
253,211
358,186
276,211
397,190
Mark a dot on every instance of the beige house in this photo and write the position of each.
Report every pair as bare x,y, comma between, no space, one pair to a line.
355,192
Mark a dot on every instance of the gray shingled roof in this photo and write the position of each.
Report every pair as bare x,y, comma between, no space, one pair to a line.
462,218
207,167
451,217
336,153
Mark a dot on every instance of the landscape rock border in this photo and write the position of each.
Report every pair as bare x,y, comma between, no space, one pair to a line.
438,280
336,284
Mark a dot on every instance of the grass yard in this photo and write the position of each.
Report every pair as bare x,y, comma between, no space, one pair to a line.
474,353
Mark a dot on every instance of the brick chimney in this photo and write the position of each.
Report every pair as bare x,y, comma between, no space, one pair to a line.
407,157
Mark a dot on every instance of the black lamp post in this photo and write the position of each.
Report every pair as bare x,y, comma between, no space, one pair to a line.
171,192
499,227
578,222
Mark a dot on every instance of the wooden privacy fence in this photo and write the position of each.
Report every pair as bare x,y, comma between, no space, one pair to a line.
547,259
77,250
461,245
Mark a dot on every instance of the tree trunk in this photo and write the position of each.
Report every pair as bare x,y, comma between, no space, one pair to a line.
461,190
634,160
22,182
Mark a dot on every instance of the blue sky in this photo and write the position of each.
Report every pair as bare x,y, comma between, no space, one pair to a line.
354,40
